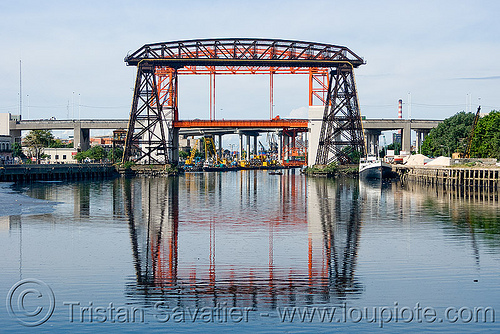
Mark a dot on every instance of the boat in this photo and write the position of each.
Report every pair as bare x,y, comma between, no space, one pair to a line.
373,168
210,166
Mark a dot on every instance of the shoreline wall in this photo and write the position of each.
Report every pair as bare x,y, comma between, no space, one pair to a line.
14,173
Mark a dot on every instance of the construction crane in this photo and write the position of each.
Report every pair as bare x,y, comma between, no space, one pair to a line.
190,159
471,134
262,146
211,150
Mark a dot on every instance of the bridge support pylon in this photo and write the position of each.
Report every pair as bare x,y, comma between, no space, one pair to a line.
341,138
151,136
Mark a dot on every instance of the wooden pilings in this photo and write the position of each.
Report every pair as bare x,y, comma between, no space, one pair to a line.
476,182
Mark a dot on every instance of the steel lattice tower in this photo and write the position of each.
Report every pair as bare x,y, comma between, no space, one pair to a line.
341,138
151,137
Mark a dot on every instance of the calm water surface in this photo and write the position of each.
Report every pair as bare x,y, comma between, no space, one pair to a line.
250,252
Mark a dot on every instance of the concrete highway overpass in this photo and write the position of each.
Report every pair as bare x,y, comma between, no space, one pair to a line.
81,128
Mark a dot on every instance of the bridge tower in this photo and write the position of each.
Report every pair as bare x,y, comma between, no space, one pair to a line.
341,138
151,136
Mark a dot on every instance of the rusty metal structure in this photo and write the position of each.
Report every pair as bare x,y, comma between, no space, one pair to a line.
342,137
152,134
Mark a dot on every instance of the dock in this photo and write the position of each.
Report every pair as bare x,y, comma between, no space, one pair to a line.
451,177
32,172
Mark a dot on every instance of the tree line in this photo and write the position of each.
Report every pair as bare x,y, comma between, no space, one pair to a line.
37,140
453,133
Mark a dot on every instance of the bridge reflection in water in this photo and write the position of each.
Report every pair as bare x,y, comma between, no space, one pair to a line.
245,239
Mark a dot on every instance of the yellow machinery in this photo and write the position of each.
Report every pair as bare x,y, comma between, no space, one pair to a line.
211,150
190,159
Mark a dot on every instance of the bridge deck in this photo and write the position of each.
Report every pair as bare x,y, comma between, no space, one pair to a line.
274,123
380,124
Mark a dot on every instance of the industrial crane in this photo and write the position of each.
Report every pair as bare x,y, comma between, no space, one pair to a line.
471,134
190,159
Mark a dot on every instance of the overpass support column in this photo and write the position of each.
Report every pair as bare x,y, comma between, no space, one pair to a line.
280,146
425,134
81,138
15,136
372,139
315,115
174,151
406,138
418,141
240,148
421,135
220,146
248,148
255,148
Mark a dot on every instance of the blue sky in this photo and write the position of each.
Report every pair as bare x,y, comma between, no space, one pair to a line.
72,54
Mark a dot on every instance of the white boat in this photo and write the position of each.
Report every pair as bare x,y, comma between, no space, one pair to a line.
373,168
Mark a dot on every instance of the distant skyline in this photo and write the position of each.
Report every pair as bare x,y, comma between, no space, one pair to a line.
442,53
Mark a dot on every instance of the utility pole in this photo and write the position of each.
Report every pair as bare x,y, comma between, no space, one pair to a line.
20,89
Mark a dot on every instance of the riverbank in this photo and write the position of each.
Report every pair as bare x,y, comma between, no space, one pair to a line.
332,170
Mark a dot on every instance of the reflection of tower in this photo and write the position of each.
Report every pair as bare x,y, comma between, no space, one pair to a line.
152,209
340,225
219,231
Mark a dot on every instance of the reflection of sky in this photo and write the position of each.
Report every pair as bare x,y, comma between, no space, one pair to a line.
410,248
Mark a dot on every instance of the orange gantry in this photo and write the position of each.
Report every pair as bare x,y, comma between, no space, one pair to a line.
276,122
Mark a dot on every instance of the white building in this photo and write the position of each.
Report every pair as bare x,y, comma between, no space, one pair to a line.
60,155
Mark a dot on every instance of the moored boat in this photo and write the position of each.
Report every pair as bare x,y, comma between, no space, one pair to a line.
373,168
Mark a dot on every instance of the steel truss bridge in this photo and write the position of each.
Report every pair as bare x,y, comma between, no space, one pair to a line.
153,127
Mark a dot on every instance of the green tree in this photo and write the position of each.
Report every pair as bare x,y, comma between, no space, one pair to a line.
36,141
396,146
57,143
115,154
183,154
353,156
80,156
486,140
96,153
449,136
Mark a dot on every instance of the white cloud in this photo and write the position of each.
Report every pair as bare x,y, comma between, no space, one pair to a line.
301,112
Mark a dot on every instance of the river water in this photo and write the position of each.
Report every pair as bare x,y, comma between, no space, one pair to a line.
248,252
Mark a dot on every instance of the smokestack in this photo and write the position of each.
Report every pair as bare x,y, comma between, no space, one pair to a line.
400,112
